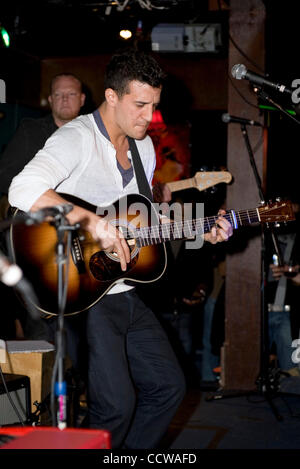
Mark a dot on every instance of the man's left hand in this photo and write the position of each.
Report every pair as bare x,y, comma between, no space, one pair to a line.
221,232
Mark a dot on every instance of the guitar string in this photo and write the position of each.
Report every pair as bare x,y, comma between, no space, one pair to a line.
166,231
207,223
158,232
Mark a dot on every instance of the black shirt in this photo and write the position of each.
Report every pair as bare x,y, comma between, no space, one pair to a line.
29,138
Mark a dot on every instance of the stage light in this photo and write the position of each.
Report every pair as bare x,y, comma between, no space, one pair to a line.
125,34
5,36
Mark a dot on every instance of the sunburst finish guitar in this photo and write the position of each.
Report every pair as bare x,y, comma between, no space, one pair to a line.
92,272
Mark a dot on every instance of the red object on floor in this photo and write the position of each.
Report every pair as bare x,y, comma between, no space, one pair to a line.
53,438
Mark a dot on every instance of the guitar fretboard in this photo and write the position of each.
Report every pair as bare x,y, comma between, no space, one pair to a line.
163,232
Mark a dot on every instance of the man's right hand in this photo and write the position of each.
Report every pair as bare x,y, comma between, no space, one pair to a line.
277,271
280,270
109,237
112,240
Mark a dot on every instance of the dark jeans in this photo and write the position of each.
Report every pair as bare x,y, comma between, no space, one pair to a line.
280,333
134,381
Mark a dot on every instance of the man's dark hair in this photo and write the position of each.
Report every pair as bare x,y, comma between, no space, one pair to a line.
130,65
64,74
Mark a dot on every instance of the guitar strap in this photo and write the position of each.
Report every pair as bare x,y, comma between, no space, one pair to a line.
142,181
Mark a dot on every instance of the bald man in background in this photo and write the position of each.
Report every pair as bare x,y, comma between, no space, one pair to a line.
65,99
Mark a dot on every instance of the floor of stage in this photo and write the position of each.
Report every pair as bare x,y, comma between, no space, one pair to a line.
241,422
211,419
207,419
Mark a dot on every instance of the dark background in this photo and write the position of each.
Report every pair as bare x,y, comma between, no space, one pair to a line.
62,32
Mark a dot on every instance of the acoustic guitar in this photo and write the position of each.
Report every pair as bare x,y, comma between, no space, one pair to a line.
92,271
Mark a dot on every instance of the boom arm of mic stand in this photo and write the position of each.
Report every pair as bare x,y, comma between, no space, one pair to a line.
262,94
16,220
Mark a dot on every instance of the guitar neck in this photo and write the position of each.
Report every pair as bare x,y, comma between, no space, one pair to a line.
189,228
181,185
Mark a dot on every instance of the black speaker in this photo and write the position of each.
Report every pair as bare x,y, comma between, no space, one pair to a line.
18,387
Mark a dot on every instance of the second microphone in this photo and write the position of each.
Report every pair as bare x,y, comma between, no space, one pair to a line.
227,118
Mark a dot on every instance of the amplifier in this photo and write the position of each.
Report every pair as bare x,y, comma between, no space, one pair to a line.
19,390
53,438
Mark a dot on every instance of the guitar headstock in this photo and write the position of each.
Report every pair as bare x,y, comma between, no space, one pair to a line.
276,212
206,179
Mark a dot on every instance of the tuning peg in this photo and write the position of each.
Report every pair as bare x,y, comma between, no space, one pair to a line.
278,199
277,225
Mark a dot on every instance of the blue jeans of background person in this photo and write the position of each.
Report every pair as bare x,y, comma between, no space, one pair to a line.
135,384
280,334
209,360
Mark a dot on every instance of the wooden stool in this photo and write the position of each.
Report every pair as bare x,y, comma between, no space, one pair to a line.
35,359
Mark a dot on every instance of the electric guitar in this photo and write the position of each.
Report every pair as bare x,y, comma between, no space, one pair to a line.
93,272
201,180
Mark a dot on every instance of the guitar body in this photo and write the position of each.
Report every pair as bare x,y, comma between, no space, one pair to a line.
92,272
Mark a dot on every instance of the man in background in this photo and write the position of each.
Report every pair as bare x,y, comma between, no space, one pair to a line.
65,99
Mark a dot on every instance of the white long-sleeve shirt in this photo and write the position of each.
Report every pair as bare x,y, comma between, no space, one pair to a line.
79,160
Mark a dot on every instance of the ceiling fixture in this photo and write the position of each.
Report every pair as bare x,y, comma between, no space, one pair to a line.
125,34
145,4
182,37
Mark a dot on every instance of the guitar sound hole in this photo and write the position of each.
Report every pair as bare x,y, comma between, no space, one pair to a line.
105,266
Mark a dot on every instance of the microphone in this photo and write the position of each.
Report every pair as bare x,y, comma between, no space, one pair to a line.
40,215
240,72
32,218
12,276
227,118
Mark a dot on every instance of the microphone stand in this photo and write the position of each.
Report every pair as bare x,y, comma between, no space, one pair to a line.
265,384
59,387
266,381
63,248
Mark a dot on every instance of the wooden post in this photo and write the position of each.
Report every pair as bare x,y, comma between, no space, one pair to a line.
240,364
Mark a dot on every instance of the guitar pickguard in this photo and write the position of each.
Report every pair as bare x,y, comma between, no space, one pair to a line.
105,267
